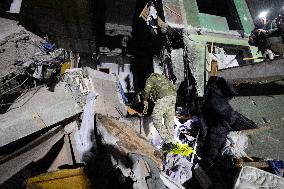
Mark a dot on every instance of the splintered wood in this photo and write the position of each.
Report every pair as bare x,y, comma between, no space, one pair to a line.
128,140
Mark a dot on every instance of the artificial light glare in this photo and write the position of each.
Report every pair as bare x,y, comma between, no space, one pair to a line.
263,14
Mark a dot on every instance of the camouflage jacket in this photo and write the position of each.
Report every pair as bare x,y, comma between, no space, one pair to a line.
158,86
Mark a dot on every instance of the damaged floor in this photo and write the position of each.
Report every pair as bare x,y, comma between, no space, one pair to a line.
266,111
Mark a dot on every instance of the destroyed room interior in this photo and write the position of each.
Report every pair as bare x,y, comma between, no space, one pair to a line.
141,94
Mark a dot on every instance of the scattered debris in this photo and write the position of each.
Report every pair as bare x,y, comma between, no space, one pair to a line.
34,151
59,106
256,178
178,168
63,124
236,144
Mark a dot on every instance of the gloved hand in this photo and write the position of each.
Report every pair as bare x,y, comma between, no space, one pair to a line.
145,107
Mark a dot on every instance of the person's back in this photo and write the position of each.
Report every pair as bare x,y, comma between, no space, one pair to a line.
158,86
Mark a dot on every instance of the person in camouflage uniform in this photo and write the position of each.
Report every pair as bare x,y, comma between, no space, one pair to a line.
159,89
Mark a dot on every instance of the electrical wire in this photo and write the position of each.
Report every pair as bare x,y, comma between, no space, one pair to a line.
8,74
37,89
1,86
15,87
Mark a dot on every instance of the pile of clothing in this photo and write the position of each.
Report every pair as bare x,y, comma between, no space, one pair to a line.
180,157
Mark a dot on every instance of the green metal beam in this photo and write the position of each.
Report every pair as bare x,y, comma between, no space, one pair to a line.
200,62
191,10
244,15
213,22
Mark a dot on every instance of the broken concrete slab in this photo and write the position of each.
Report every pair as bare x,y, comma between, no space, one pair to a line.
265,111
109,101
251,177
32,152
8,26
64,157
178,65
37,109
265,71
16,44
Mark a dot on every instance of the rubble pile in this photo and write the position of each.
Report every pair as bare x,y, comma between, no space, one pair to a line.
64,119
27,61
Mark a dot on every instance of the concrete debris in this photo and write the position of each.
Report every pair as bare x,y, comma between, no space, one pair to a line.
251,177
32,117
191,57
27,60
178,65
55,115
32,152
16,45
146,163
260,72
109,101
79,85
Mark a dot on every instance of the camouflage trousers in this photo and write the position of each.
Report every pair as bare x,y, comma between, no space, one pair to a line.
163,117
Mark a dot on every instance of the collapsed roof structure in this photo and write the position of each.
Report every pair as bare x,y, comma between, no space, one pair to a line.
108,48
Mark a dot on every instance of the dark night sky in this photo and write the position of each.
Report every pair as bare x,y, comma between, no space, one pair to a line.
273,6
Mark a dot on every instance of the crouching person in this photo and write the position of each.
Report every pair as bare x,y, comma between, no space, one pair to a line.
163,93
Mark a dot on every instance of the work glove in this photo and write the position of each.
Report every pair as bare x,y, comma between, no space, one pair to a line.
145,107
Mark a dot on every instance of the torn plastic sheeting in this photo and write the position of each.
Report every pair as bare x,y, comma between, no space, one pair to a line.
185,127
178,168
38,71
15,6
169,182
85,138
236,144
